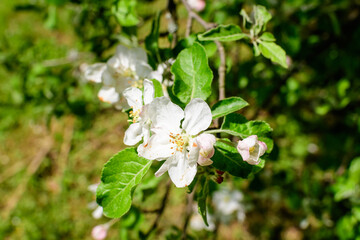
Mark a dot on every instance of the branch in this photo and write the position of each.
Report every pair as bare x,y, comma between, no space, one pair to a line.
189,210
221,70
188,26
194,15
160,211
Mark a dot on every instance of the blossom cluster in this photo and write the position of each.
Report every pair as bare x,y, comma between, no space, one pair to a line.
162,130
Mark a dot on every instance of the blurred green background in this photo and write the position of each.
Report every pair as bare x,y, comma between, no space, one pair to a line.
55,135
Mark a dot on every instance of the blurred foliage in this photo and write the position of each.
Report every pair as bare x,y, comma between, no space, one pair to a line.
310,189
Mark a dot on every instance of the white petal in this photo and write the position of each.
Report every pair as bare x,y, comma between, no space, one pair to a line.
250,141
165,166
107,78
158,147
97,213
149,91
263,148
108,94
243,149
93,72
133,134
138,54
184,172
164,114
123,56
134,98
142,69
197,116
92,188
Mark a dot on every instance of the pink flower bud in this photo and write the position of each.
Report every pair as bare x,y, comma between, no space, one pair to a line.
99,232
197,5
206,144
251,149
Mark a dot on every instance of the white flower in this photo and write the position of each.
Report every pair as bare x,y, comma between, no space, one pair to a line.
206,144
197,5
140,128
227,202
127,68
251,149
174,143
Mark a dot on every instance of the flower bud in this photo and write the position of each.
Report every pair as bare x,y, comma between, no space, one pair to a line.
251,149
197,5
99,232
206,144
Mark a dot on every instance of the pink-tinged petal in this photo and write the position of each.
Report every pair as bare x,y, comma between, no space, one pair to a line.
197,116
149,91
164,114
99,232
158,147
204,161
108,94
263,148
94,72
206,142
243,149
184,172
134,98
133,134
250,141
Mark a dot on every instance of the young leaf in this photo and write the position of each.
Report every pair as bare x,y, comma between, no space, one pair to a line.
158,88
267,37
203,194
120,174
228,105
193,75
262,17
238,123
125,13
227,158
274,52
223,33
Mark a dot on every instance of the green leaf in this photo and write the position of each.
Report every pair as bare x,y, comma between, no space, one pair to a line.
158,88
203,194
227,158
267,37
237,123
193,75
262,17
125,13
119,176
152,40
274,52
227,105
223,33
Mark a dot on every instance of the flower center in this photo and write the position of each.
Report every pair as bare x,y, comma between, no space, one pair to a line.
137,84
180,141
252,149
135,115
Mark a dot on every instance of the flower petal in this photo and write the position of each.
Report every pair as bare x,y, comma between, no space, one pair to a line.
158,147
184,172
197,116
133,134
108,94
93,72
149,91
165,166
134,98
164,114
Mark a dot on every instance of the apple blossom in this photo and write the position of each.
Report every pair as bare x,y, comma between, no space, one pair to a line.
206,144
140,128
227,202
251,149
173,143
